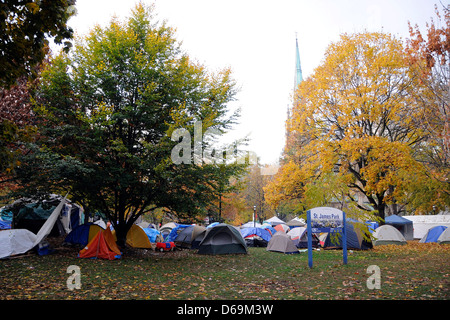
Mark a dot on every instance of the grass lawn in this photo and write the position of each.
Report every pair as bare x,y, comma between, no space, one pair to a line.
413,271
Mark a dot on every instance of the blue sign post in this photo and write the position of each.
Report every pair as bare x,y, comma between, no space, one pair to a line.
325,219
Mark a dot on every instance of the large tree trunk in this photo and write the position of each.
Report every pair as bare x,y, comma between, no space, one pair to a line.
381,212
121,234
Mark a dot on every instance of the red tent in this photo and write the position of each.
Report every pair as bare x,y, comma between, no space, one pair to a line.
101,246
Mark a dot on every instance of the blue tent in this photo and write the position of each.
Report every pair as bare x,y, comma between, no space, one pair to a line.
355,240
433,234
79,235
403,225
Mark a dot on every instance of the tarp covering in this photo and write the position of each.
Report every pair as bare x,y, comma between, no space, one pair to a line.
270,229
174,232
49,223
153,235
262,233
256,237
16,241
31,214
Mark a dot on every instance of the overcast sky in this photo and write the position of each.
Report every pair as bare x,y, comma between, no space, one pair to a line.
256,39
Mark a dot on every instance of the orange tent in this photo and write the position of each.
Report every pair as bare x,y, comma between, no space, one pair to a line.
281,227
101,246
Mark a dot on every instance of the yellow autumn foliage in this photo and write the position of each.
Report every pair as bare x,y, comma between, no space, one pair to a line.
355,117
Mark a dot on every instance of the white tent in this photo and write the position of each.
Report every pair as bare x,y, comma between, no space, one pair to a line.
296,222
444,237
296,234
423,223
387,234
275,220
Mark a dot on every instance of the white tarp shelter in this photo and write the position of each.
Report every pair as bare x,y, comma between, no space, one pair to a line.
423,223
17,241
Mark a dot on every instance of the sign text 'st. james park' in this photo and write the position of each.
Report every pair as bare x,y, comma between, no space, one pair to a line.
325,219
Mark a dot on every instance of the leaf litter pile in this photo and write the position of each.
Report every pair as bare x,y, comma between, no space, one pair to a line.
414,271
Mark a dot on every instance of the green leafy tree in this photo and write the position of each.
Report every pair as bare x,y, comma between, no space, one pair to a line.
25,27
109,112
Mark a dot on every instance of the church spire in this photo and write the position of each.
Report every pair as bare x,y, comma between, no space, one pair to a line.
298,67
297,80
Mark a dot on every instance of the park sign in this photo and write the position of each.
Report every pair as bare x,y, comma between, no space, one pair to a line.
326,219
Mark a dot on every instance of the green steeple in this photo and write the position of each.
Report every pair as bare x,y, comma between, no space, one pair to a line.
298,67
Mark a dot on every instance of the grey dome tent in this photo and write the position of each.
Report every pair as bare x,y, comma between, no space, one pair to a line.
403,225
281,242
222,239
387,234
187,236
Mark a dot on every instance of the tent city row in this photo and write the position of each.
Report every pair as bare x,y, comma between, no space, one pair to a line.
97,239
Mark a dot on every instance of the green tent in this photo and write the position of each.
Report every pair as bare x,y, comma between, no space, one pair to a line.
222,239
